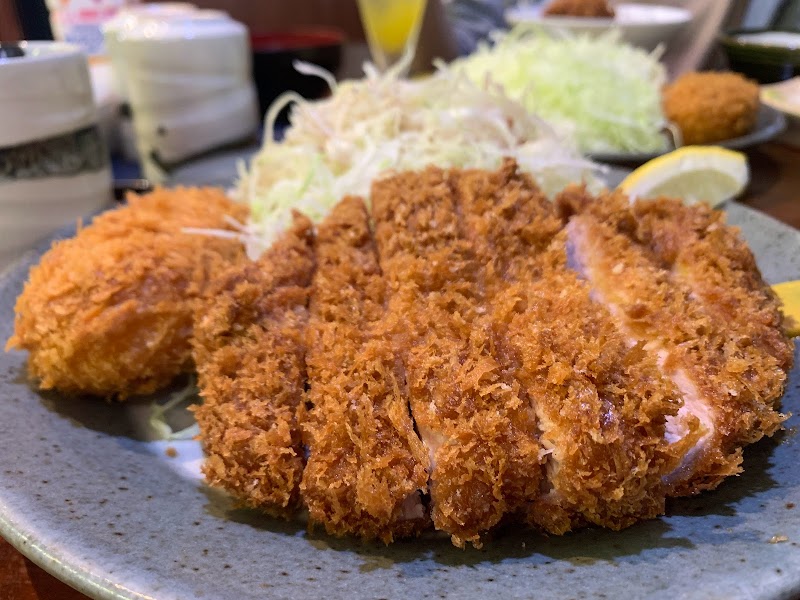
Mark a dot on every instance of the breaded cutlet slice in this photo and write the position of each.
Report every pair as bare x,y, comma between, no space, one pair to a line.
464,399
249,348
702,308
366,466
601,406
109,311
714,261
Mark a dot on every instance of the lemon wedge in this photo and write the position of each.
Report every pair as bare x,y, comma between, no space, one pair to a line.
694,173
789,294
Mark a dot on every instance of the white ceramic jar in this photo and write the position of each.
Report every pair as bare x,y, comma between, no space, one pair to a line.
54,166
189,85
130,19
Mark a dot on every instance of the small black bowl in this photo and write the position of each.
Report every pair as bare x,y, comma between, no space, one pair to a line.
760,60
274,54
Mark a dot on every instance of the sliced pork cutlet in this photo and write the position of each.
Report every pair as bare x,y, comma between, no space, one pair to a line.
712,259
249,349
466,403
666,289
601,406
366,466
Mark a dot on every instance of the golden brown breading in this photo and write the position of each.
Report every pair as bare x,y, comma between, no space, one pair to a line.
249,350
366,465
713,259
680,280
711,107
467,405
580,8
601,406
109,312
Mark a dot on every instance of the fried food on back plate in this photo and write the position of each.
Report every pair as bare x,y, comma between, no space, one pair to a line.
580,8
710,107
109,312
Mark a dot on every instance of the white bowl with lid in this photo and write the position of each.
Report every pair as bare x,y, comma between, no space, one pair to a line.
130,19
642,25
189,87
55,165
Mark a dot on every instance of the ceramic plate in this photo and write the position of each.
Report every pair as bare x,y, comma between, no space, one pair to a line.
644,25
769,124
86,496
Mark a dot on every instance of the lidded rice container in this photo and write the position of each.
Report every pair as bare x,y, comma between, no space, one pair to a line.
189,87
54,166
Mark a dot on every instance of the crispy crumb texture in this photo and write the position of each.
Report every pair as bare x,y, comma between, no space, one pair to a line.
249,349
683,283
109,312
468,405
367,468
601,405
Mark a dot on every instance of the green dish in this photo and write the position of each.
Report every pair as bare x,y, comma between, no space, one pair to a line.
764,55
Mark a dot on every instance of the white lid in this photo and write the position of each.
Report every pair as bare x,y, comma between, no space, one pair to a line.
185,26
130,17
45,93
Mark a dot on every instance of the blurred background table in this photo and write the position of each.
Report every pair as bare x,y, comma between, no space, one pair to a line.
774,190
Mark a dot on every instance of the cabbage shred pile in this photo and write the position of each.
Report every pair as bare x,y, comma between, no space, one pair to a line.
606,92
382,124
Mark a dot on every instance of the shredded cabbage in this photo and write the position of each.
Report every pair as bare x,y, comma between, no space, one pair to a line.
169,420
382,123
606,92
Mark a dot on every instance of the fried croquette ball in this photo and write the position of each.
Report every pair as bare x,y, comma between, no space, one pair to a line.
711,107
110,311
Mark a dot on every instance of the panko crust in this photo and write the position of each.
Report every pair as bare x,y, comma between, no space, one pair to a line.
711,107
485,459
109,312
601,406
366,467
249,348
686,283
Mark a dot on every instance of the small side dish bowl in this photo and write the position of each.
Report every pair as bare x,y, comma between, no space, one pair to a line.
275,52
766,56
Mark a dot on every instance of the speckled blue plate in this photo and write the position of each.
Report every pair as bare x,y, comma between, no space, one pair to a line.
84,495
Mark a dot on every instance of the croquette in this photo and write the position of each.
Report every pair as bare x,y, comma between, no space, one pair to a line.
710,107
109,312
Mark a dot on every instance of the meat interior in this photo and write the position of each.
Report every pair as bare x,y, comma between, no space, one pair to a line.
470,354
